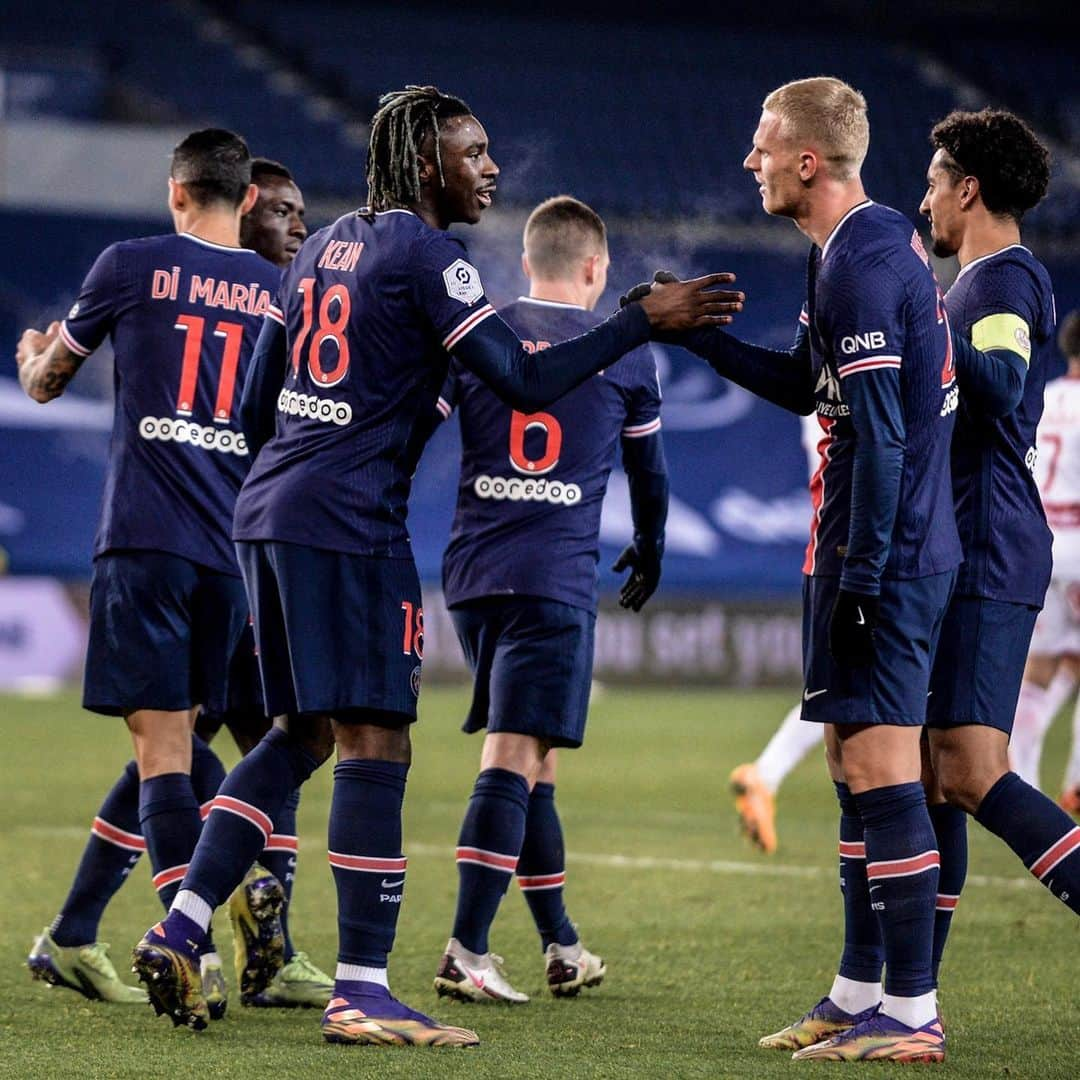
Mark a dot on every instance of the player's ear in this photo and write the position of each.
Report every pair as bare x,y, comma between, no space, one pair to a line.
969,191
592,265
177,196
525,266
426,168
250,197
808,166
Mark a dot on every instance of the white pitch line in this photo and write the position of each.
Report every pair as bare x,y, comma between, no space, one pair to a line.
712,866
622,862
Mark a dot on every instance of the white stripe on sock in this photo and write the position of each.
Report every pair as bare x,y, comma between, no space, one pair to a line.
853,996
913,1011
193,906
359,973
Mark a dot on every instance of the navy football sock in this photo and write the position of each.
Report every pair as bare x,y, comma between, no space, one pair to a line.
487,852
279,857
241,821
902,872
114,847
169,817
365,855
541,869
1039,831
207,774
950,829
863,952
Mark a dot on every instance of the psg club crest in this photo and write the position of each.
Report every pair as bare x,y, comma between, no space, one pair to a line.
414,681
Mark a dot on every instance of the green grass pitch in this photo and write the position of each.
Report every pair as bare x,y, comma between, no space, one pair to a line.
709,944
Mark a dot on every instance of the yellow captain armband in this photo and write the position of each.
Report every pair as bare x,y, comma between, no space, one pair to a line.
1003,331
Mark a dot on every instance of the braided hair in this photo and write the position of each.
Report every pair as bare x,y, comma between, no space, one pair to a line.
398,129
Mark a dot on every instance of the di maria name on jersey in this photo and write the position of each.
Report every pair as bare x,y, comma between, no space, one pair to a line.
1003,301
183,314
532,485
886,399
369,308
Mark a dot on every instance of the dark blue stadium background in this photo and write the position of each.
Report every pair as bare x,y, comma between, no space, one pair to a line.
646,121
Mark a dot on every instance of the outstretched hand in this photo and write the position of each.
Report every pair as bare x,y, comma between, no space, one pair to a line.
643,561
673,305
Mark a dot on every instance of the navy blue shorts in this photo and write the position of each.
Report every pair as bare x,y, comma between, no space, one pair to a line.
162,630
335,632
532,665
245,716
980,663
893,689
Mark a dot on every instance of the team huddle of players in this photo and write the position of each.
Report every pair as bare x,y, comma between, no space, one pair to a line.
260,474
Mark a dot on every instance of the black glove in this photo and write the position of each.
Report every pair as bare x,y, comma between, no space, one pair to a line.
639,292
851,629
642,559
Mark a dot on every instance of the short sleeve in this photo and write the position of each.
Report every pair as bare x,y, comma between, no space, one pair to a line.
93,314
865,330
448,289
643,410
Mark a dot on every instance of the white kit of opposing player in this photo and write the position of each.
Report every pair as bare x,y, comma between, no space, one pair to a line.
1057,631
755,784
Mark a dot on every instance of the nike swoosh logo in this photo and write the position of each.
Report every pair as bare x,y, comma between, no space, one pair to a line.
392,884
807,694
860,621
478,983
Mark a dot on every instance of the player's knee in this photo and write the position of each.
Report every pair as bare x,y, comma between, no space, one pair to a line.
314,734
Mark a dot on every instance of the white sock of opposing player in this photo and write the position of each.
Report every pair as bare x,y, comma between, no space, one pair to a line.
853,996
1033,716
793,740
1072,769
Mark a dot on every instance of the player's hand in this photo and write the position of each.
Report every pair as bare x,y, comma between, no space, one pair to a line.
851,629
640,291
686,305
642,559
33,342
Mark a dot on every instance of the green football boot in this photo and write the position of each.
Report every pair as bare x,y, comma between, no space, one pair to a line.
85,969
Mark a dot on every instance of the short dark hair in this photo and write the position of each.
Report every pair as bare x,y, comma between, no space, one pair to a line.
214,165
405,118
1001,152
262,166
1069,336
559,232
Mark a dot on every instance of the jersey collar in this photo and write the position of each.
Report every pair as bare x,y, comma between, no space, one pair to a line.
212,245
549,303
837,227
989,255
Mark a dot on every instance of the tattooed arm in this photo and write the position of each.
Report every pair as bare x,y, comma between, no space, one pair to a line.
46,365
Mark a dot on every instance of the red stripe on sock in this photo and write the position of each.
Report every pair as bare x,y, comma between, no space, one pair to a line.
851,850
363,862
280,842
487,858
542,881
917,864
245,810
167,877
946,903
204,810
1054,854
127,840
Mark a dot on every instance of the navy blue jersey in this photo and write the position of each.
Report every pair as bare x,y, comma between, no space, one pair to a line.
1004,300
368,308
886,398
183,314
532,485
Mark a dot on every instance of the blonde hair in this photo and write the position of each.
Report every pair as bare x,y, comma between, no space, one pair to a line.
828,115
559,233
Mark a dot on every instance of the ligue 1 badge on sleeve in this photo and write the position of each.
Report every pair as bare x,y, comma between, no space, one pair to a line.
463,282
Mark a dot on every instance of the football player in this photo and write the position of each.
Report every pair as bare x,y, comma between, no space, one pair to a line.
519,578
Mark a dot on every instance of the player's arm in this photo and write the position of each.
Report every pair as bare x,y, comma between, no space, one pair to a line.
266,376
646,472
46,364
992,366
784,377
48,361
531,381
870,387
